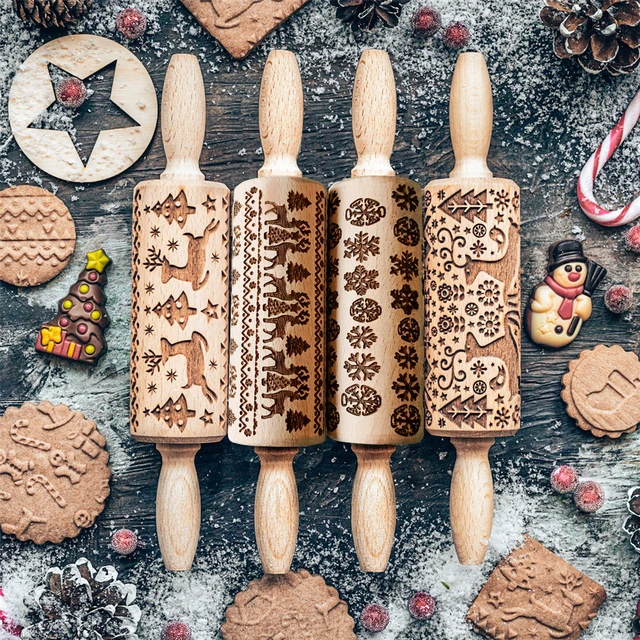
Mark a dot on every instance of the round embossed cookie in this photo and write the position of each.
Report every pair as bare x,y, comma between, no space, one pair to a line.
602,391
37,235
295,605
54,472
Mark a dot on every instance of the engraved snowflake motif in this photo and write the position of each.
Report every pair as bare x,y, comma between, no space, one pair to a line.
502,199
478,248
405,299
405,420
361,337
502,417
406,198
406,387
361,246
361,280
360,400
405,265
361,366
478,369
406,357
364,212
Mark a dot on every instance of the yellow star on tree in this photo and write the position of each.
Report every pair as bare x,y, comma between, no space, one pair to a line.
97,260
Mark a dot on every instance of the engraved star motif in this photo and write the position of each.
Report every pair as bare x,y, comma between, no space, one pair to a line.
210,204
213,364
171,375
149,288
155,231
148,330
172,245
207,418
152,387
211,310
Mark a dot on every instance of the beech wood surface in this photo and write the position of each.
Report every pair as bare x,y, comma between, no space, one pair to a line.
473,307
179,336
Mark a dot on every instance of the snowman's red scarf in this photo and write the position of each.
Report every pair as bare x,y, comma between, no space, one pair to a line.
568,295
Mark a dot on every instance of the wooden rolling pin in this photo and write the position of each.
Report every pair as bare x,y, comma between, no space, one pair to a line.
472,307
375,331
179,316
277,361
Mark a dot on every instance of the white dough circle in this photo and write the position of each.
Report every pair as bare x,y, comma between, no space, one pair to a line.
32,92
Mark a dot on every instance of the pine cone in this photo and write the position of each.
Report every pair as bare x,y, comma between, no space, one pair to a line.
602,35
49,14
79,602
364,15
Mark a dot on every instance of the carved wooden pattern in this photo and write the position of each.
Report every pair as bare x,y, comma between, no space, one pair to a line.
180,312
472,300
534,593
276,395
376,382
54,473
53,150
240,25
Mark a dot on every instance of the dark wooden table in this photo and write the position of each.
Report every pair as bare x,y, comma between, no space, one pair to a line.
422,473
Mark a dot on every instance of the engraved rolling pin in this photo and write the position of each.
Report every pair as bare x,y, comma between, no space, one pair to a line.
277,361
375,331
472,302
180,301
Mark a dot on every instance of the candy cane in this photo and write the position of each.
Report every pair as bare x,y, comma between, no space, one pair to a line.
594,165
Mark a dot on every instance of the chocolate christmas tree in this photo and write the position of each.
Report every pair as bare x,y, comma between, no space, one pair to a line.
76,331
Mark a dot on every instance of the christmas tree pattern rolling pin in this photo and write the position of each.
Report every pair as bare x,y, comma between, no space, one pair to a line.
277,361
472,301
179,324
76,331
375,332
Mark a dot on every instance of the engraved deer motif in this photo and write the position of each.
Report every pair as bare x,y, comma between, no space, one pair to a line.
283,382
281,291
193,350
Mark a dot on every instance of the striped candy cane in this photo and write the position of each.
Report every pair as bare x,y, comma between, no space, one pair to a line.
594,165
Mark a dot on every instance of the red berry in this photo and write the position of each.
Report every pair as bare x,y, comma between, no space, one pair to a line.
6,623
131,23
456,36
124,542
176,631
632,238
589,496
422,605
618,299
426,21
564,479
71,92
374,617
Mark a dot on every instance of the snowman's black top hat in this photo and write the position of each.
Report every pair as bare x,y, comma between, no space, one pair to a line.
564,252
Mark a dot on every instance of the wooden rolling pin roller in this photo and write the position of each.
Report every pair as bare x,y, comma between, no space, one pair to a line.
375,331
473,307
180,303
277,362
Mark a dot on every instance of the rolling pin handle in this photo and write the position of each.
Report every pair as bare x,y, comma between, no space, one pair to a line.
471,117
184,118
276,509
373,506
374,113
178,506
471,499
281,115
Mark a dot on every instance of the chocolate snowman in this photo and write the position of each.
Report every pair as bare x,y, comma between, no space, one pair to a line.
561,303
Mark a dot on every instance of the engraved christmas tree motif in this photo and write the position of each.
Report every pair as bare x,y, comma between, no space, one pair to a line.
468,205
76,332
174,209
175,311
174,414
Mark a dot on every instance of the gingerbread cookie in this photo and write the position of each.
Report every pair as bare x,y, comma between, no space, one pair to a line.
37,236
602,391
54,472
294,605
240,25
534,593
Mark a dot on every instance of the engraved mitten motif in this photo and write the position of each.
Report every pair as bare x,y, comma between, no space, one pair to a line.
472,300
277,344
375,331
180,307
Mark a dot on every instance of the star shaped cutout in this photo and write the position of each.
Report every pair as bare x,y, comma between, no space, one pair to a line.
92,116
210,204
97,260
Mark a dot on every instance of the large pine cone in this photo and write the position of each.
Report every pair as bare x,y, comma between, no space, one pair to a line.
78,602
49,14
602,35
364,15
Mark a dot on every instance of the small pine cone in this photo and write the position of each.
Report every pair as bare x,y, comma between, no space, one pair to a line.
365,15
50,14
601,35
